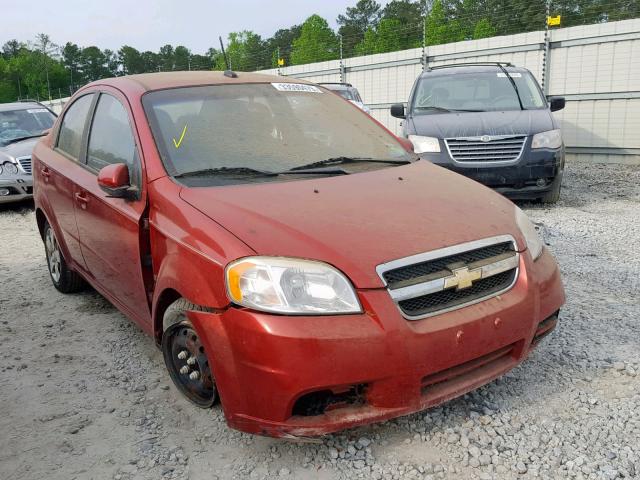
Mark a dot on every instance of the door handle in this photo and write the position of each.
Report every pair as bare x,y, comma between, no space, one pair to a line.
46,173
82,199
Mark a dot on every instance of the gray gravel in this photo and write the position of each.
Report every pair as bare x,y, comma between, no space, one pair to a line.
84,393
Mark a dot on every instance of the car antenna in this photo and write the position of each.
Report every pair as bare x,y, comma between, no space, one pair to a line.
513,83
228,72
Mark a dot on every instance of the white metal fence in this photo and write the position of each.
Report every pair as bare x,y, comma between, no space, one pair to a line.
596,67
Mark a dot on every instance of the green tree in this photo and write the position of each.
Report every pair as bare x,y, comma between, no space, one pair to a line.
410,16
440,28
483,29
356,22
131,60
384,38
93,64
182,58
245,51
281,43
317,42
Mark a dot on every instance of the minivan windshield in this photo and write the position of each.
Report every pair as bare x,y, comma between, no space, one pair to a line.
24,123
263,128
475,92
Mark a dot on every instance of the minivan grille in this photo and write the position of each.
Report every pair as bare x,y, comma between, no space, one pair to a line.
25,163
487,148
453,277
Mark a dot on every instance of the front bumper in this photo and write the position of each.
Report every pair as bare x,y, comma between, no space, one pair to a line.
266,365
16,188
518,180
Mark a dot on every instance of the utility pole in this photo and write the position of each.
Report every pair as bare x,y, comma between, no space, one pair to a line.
424,42
189,61
545,54
278,60
19,89
342,69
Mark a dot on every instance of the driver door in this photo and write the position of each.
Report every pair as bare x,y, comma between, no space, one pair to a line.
110,228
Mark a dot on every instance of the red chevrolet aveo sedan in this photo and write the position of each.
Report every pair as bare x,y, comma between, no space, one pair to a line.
288,254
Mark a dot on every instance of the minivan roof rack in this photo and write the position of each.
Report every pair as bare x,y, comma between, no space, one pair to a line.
473,64
336,83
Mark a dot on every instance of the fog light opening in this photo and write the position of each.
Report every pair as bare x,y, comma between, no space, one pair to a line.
541,182
4,192
321,401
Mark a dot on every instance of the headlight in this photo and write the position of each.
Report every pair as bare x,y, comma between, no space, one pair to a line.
528,229
425,144
290,286
549,139
0,169
10,168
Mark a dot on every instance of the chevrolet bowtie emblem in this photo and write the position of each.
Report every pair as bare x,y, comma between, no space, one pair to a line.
462,278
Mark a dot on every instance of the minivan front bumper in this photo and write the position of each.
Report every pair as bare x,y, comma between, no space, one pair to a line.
287,376
15,188
530,177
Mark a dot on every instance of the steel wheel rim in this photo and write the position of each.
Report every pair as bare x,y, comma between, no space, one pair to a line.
53,255
190,365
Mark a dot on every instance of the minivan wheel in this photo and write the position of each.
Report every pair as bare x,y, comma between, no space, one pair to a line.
188,364
64,279
553,195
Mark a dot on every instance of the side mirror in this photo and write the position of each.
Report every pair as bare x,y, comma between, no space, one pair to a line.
397,110
556,103
114,180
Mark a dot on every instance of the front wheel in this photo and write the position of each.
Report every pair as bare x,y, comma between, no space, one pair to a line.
64,279
553,195
187,362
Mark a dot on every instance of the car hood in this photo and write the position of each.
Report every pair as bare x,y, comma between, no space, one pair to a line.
358,221
22,148
474,124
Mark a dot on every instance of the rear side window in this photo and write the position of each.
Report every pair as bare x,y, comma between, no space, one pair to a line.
110,139
72,128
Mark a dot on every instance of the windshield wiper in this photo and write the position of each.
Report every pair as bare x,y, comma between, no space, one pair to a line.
339,160
253,172
19,139
513,83
244,171
439,109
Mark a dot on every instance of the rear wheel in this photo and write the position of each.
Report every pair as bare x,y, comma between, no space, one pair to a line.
186,359
64,279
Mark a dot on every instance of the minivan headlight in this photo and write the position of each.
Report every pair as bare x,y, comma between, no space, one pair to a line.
10,168
425,144
548,139
531,236
290,286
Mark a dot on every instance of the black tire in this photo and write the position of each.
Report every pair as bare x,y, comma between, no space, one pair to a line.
64,279
553,195
185,356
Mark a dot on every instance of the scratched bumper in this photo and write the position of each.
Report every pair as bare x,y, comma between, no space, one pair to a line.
264,364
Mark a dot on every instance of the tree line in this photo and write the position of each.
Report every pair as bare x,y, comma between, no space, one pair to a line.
39,69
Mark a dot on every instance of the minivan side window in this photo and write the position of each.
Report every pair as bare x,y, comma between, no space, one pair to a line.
110,138
72,127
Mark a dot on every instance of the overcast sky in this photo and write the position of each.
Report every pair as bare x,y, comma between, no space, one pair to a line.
149,24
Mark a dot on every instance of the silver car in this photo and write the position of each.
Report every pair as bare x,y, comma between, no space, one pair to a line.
21,125
348,92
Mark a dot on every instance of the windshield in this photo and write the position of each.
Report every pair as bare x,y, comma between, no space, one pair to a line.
349,94
486,91
22,123
265,127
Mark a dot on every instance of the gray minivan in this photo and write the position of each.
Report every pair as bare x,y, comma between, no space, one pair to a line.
490,122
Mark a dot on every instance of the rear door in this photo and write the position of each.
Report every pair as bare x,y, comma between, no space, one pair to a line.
58,168
110,229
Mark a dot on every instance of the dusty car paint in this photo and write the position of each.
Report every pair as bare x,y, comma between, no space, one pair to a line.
173,241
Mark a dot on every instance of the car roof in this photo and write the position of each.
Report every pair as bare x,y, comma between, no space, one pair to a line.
467,69
7,107
165,80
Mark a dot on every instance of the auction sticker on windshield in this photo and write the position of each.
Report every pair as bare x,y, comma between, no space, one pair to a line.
296,87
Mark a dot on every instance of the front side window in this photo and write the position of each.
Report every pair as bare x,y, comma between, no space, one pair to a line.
72,128
476,92
16,125
262,127
110,138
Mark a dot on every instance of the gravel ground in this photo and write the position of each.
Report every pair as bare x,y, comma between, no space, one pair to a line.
84,393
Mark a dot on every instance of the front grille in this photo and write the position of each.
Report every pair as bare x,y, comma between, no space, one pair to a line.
434,282
447,299
405,275
494,149
25,163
